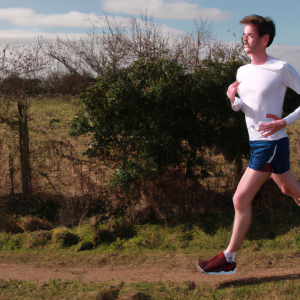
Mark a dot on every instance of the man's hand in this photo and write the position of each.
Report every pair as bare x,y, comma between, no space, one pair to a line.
270,128
232,90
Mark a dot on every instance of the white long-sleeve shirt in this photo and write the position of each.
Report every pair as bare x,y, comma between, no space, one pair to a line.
262,90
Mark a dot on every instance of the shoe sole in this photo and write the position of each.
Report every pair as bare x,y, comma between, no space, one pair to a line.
213,273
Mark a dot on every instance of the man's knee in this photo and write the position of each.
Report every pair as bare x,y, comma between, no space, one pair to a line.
238,201
285,190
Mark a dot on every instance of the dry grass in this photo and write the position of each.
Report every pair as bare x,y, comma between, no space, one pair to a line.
56,159
111,290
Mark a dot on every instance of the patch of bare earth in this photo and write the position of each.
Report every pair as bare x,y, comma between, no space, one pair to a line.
180,268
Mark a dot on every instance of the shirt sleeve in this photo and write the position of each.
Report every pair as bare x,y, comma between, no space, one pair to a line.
238,104
292,80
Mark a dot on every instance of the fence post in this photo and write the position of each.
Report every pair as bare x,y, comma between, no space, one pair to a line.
11,173
24,144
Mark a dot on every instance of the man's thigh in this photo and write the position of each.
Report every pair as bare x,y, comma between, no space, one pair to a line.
250,183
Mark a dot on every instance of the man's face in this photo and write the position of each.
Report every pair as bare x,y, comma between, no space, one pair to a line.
253,43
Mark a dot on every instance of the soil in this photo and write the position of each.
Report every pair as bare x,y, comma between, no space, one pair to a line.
173,269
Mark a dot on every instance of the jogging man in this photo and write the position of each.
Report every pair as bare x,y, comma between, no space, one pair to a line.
261,86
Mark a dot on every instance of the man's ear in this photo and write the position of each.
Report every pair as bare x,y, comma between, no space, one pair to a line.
265,40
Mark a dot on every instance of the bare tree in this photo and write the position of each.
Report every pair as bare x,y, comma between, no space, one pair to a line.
119,42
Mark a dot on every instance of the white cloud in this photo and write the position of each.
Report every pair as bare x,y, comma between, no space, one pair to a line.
26,17
171,31
288,53
29,18
11,36
22,36
160,9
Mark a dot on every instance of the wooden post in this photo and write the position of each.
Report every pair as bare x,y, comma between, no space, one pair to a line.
11,173
24,144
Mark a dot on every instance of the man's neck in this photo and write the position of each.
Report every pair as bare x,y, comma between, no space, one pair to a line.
260,59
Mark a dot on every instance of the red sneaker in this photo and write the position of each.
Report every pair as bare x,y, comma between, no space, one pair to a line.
216,265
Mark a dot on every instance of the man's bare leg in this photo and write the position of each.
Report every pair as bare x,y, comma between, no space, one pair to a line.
288,184
248,186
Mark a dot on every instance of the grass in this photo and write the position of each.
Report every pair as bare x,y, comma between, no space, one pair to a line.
151,245
148,244
56,158
53,289
57,289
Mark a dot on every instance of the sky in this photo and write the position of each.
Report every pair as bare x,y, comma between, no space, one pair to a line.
25,19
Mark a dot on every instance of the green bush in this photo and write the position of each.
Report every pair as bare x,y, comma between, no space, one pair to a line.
11,241
64,237
116,229
38,238
155,116
82,246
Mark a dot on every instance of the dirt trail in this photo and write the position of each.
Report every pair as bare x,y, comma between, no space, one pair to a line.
145,273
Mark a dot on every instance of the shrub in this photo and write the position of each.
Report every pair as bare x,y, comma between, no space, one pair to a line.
11,241
30,223
64,237
9,224
43,206
115,229
38,238
155,116
85,246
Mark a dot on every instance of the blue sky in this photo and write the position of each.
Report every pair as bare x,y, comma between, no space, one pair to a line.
24,19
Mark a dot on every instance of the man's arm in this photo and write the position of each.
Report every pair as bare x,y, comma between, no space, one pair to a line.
236,103
291,80
293,117
270,128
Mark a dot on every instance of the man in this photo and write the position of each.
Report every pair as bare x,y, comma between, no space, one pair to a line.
261,86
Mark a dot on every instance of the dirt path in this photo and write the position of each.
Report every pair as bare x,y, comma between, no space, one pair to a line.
145,273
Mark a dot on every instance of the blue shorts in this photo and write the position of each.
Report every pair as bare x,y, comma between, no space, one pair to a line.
276,153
